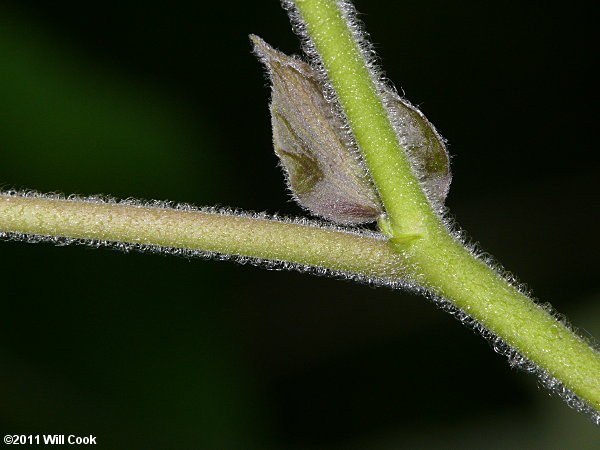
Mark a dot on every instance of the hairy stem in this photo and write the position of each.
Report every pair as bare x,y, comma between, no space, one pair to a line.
302,243
437,260
375,135
422,252
489,299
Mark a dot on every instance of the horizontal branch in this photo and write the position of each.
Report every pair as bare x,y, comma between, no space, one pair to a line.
500,311
301,242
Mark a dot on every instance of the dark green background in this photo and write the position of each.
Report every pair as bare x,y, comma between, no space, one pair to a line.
166,102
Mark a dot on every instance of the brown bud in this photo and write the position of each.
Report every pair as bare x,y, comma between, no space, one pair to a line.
425,147
323,167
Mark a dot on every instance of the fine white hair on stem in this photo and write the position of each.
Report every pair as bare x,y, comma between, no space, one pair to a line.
515,358
382,86
272,264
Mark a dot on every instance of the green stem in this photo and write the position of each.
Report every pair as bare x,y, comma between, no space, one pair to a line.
354,254
437,260
423,251
375,135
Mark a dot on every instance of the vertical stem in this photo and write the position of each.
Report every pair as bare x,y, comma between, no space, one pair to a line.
437,260
375,135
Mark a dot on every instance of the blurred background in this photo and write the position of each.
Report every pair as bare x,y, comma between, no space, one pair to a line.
167,102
